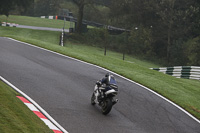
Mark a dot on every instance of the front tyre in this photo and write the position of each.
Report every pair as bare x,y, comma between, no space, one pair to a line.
106,106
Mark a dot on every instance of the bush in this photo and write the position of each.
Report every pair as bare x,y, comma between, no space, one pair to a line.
192,48
95,36
141,40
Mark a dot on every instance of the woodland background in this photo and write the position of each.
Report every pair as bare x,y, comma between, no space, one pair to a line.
165,31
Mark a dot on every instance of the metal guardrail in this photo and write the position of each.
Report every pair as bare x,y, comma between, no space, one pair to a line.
49,17
8,24
91,23
188,72
72,19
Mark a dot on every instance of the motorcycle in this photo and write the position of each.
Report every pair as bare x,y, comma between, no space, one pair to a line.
104,97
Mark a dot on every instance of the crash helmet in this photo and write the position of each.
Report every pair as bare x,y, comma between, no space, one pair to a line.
107,74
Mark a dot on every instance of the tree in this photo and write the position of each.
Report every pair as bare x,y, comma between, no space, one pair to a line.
172,22
177,18
81,4
192,48
167,14
141,39
96,13
7,5
105,39
133,14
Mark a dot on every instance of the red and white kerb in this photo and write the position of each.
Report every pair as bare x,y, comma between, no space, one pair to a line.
40,115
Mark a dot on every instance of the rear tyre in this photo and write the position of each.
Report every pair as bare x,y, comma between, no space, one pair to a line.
92,99
106,106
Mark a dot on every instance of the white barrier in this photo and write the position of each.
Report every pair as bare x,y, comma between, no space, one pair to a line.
9,24
188,72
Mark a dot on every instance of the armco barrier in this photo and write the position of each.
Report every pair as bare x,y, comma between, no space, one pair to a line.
49,17
8,24
188,72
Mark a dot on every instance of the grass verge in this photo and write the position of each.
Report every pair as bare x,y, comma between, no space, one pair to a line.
15,117
183,92
34,21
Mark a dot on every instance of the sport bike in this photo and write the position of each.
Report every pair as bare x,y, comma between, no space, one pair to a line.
104,97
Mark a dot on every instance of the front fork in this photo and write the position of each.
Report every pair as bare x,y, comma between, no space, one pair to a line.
99,95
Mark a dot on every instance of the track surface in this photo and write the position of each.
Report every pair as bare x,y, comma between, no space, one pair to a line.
41,28
63,88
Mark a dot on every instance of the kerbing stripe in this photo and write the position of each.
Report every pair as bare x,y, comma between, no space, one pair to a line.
57,131
49,124
24,100
31,106
39,114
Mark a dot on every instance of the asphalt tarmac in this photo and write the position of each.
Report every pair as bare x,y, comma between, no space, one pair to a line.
41,28
63,87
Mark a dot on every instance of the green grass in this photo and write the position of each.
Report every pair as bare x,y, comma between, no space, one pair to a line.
35,21
183,92
15,117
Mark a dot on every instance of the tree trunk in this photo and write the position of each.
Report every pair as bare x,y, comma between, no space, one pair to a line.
168,43
169,34
80,19
105,51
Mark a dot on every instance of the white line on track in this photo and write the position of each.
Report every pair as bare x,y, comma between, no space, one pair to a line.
115,74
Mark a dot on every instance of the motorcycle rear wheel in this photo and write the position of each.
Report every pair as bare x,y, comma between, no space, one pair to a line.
106,106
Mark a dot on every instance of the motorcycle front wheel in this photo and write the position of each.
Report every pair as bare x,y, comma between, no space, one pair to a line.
106,106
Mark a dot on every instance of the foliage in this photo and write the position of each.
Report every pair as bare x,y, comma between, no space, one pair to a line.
46,7
172,23
8,5
92,11
192,50
94,37
140,40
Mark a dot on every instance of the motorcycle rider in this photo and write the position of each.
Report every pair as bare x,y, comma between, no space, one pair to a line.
105,84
